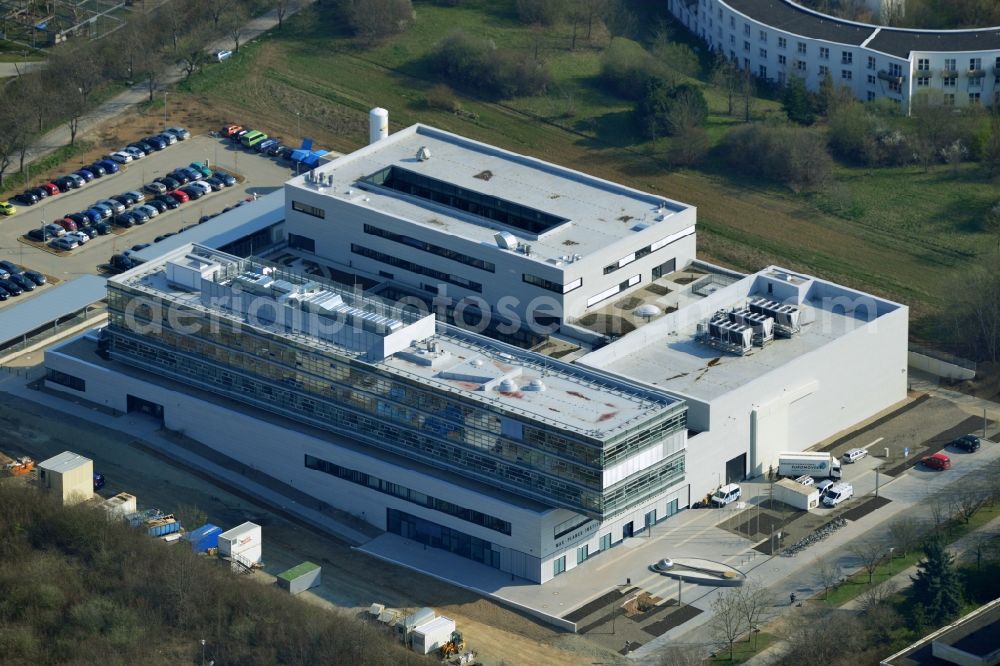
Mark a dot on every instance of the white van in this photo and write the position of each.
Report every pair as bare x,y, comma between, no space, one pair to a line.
837,494
854,455
726,495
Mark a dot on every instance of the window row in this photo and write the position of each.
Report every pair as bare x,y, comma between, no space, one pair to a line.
552,286
416,268
308,210
649,249
430,248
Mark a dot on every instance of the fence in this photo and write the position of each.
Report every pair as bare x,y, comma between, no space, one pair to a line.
941,364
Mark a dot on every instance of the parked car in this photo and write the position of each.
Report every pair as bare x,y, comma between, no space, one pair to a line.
11,287
4,273
201,185
139,197
840,492
120,262
181,133
80,237
215,183
67,224
156,142
97,170
180,196
95,215
193,193
10,267
229,130
51,189
201,168
967,443
134,152
169,138
179,176
192,174
39,235
139,216
86,174
4,295
168,201
78,179
24,283
854,455
116,207
145,146
88,229
103,228
79,218
125,220
7,208
65,243
28,197
54,230
124,200
35,277
150,211
726,495
155,187
120,157
237,136
64,184
938,461
158,205
264,146
109,166
222,54
170,182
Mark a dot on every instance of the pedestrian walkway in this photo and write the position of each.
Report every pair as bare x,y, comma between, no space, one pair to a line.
139,93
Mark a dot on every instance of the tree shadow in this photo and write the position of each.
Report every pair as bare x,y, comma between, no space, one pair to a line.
615,129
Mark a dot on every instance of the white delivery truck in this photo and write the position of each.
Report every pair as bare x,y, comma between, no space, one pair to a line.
810,463
837,494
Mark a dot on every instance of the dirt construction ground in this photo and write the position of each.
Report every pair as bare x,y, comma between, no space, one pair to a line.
351,580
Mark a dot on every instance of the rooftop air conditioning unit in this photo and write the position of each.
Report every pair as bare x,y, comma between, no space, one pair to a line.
505,240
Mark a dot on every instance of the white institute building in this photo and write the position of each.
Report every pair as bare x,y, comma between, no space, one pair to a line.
779,39
508,457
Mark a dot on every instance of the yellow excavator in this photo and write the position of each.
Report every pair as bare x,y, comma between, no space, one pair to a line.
454,646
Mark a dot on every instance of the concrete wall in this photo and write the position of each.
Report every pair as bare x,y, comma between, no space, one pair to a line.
939,368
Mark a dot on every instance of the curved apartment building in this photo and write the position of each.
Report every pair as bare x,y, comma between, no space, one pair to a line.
779,39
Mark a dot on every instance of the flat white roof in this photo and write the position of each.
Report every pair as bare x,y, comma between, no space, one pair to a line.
596,212
670,355
65,462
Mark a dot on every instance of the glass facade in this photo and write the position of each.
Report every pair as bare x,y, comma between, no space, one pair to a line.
419,269
402,492
439,536
430,248
367,403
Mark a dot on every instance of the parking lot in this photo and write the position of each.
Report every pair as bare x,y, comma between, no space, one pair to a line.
258,175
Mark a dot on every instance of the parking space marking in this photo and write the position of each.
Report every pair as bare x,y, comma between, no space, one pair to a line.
873,443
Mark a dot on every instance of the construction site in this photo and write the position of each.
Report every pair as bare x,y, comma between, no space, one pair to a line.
42,23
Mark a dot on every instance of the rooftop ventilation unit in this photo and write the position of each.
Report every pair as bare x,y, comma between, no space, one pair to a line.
535,385
505,240
423,154
728,335
786,317
762,325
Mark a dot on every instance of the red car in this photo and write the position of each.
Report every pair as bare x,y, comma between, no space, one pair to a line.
230,130
51,188
179,196
67,224
937,461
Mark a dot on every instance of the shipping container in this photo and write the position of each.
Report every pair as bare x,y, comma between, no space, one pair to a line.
120,505
413,620
430,636
162,526
300,578
243,541
797,495
139,518
203,538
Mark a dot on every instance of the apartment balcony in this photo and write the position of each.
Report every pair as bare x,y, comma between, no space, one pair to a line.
891,78
949,73
975,73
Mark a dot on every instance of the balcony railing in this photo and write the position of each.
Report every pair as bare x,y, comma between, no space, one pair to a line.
975,73
890,77
947,73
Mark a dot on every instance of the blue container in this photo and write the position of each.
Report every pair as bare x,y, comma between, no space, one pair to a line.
203,538
163,529
139,518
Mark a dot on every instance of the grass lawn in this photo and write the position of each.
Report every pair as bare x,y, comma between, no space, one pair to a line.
900,233
743,650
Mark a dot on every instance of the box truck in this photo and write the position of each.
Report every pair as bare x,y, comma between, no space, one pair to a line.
810,463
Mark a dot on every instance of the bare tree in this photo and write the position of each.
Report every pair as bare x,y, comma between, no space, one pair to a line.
192,54
216,9
828,573
753,600
906,533
875,596
969,500
871,554
808,636
682,655
149,65
940,513
236,19
728,620
280,9
726,77
748,91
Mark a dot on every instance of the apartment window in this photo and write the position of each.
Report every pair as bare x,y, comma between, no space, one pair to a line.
746,63
617,289
846,57
416,268
402,492
800,65
762,72
950,64
552,286
923,65
298,242
923,81
763,53
871,96
732,22
975,64
823,70
949,99
582,553
976,82
781,78
606,541
430,248
763,36
308,210
997,64
802,47
871,79
974,98
950,81
782,43
846,74
895,69
824,53
781,59
732,39
746,46
871,62
746,29
558,565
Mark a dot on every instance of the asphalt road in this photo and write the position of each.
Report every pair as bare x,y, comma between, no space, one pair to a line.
262,175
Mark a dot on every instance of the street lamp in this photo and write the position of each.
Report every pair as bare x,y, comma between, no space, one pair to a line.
165,93
892,550
614,612
203,652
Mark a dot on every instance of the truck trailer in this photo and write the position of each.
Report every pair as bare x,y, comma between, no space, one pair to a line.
809,463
